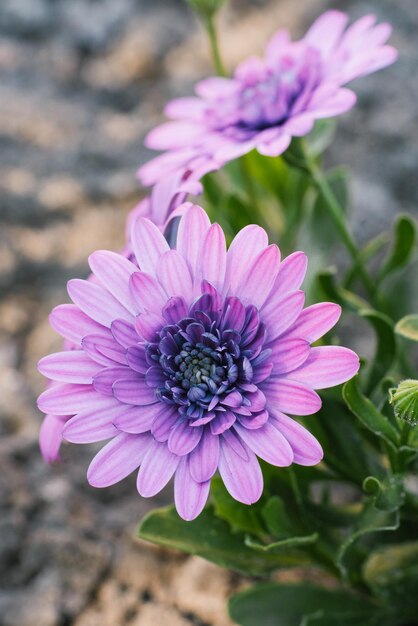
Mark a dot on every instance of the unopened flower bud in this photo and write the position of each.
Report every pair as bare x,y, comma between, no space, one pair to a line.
404,398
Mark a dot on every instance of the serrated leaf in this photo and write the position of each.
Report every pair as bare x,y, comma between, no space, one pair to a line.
368,414
408,327
275,604
385,346
210,538
403,246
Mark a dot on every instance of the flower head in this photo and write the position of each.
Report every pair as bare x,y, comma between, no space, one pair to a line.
189,360
268,101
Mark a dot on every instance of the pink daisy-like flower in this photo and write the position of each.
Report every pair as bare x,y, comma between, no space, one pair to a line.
189,360
268,101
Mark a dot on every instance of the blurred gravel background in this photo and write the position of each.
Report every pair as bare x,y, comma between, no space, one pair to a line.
80,83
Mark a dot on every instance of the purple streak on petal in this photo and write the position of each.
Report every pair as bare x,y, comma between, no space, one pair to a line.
191,233
68,399
92,425
113,270
136,358
189,496
70,366
243,479
124,333
257,400
183,439
97,302
147,293
134,392
244,249
279,314
289,354
175,310
137,419
155,377
73,324
291,274
235,443
204,458
267,443
233,399
119,458
103,381
212,262
255,288
262,372
164,421
147,325
222,422
50,438
174,275
234,314
254,421
104,350
148,244
291,397
327,366
307,450
315,321
157,468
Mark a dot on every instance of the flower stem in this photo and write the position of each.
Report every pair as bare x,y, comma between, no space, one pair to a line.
214,46
337,214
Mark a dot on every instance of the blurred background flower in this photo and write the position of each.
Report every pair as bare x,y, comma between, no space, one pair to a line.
81,84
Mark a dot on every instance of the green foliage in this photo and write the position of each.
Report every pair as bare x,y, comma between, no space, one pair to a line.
408,327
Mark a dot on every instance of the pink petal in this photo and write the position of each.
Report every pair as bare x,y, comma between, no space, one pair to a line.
189,496
307,450
97,302
327,366
326,31
164,420
268,444
147,325
274,147
174,275
147,293
73,324
192,231
173,135
290,396
185,108
148,244
289,354
256,286
124,333
183,439
157,468
204,458
114,271
134,392
279,314
291,274
92,425
340,102
137,419
243,479
315,321
70,366
68,399
213,257
50,438
119,458
136,359
244,249
103,381
104,350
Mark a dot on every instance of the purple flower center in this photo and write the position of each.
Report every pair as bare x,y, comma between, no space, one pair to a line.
204,364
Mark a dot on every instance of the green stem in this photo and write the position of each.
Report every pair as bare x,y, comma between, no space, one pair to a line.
337,215
214,46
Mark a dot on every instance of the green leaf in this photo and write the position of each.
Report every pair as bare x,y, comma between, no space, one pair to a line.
403,246
239,516
408,327
370,520
275,604
329,289
368,414
392,573
389,494
370,250
385,347
276,518
283,545
210,538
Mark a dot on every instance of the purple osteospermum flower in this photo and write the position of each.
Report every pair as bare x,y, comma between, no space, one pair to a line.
189,360
268,101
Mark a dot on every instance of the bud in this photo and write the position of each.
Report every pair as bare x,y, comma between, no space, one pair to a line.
206,8
404,398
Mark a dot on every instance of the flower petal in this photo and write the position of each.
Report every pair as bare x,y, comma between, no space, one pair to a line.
327,366
73,324
279,315
148,294
148,244
213,257
174,275
134,391
69,366
157,468
291,274
190,496
136,419
183,439
113,270
119,458
92,425
315,321
256,286
267,443
290,396
288,354
204,458
244,249
307,450
50,438
191,233
68,399
97,302
243,479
